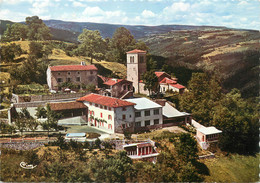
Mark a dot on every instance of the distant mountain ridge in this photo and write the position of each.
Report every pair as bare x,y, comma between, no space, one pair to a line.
107,30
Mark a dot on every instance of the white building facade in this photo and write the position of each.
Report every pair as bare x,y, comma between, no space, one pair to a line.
109,114
147,112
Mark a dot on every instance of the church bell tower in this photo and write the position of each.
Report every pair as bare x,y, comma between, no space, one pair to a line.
136,66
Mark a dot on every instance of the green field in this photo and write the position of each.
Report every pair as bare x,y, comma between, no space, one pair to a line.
235,168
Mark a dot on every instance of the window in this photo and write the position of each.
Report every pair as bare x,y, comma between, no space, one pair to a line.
124,87
58,73
147,122
123,109
68,73
141,58
109,108
90,103
78,72
138,114
128,87
156,111
96,105
59,80
109,117
156,121
78,79
101,106
123,116
91,72
147,113
138,124
101,115
105,107
68,79
132,59
123,125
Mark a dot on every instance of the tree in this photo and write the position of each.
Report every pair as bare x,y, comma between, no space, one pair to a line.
186,147
115,169
52,119
36,49
151,64
238,121
41,112
20,123
31,157
151,81
10,51
32,124
6,128
15,32
37,29
204,93
98,143
121,42
92,44
91,87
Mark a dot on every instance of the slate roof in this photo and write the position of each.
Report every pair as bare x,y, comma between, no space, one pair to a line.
144,103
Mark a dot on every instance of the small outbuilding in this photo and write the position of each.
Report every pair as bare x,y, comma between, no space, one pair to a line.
206,135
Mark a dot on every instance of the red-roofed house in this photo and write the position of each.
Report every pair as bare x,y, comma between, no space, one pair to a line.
118,88
109,114
76,74
171,84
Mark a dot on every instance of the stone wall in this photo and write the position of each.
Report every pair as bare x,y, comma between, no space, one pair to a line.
38,98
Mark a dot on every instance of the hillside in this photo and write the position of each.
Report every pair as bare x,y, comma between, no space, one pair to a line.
69,31
232,54
107,30
58,57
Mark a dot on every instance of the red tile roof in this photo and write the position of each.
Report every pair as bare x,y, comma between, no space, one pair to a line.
158,74
67,105
177,86
112,81
168,81
103,78
136,51
104,100
74,68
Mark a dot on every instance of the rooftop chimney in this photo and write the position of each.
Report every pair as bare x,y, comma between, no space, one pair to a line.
83,63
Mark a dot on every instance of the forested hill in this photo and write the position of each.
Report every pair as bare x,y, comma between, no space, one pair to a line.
233,54
69,31
107,30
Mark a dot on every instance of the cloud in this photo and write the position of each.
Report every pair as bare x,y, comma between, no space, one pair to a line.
148,14
96,14
14,2
6,14
78,4
40,6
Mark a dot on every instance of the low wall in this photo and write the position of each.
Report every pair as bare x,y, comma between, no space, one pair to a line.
208,156
37,98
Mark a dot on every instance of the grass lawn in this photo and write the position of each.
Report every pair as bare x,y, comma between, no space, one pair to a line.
235,168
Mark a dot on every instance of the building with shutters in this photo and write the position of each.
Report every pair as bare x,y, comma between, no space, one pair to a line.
109,114
75,74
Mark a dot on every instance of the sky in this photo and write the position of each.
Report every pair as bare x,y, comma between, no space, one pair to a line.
230,13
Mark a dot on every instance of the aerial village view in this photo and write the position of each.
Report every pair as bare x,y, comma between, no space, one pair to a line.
129,91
